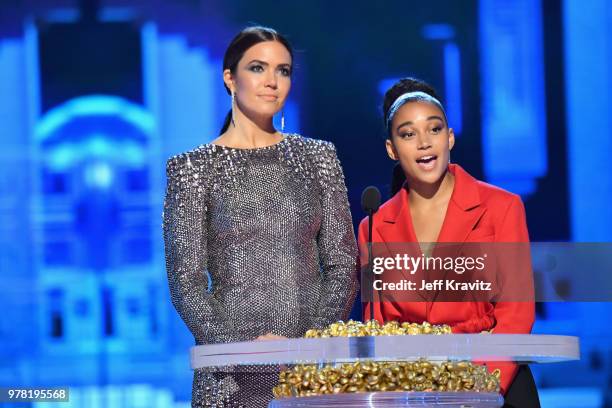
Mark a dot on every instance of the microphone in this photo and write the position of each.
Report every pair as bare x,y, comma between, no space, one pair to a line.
370,202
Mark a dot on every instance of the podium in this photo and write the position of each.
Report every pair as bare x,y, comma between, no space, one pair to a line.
518,348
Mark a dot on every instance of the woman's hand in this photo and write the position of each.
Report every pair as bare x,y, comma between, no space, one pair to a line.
270,336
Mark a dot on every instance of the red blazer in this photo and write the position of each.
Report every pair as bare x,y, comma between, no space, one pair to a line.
477,212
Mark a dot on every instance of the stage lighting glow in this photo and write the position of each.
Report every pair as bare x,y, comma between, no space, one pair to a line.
94,105
452,86
99,175
513,97
100,146
438,32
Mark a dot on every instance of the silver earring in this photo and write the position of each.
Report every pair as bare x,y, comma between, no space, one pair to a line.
283,121
233,109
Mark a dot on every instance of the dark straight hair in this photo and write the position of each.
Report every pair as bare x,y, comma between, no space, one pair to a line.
245,39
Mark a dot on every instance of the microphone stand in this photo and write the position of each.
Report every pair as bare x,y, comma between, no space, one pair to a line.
370,271
370,202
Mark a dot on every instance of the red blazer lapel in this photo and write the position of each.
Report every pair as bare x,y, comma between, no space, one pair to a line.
462,215
396,230
395,224
464,209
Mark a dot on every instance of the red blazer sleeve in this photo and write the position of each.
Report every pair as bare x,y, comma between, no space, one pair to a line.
512,317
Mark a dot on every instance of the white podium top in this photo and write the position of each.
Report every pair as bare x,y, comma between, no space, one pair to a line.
522,348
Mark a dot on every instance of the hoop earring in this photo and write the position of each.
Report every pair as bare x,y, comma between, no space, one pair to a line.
233,109
283,121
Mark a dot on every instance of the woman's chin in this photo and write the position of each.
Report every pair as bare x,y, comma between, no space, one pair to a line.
262,111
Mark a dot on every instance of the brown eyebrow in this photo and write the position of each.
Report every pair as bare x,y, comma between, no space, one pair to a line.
409,122
266,64
258,61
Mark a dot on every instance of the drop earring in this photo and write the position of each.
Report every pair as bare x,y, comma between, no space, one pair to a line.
233,109
283,121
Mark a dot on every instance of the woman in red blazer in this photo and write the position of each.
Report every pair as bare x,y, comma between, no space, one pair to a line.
441,202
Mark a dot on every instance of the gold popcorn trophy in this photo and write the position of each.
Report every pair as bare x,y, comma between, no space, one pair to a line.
372,376
352,364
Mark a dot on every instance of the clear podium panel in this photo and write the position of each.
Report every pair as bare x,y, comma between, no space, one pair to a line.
520,348
395,399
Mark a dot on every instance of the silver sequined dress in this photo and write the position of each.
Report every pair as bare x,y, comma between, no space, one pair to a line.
272,228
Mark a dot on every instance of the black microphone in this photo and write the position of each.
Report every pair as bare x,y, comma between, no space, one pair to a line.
370,201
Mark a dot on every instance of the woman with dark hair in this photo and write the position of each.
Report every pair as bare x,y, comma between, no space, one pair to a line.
437,202
265,216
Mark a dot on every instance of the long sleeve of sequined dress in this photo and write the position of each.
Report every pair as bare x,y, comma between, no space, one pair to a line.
184,222
335,236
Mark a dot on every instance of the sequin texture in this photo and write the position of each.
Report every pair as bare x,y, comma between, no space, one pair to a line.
272,228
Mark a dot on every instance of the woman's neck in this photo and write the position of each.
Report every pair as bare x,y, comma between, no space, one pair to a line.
249,132
425,194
